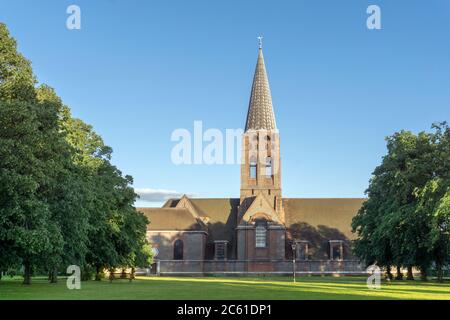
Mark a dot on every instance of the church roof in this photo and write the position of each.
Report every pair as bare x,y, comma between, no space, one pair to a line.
173,219
221,215
260,110
330,217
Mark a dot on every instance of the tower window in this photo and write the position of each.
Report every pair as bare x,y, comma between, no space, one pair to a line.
252,168
253,142
261,234
268,169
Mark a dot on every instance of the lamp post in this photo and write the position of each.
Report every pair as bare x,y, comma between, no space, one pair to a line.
294,246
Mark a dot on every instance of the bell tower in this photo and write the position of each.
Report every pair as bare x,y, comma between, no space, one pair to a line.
261,162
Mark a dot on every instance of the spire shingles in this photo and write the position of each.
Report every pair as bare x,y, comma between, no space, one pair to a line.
260,111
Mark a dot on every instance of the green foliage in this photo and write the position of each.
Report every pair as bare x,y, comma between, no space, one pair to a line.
405,220
16,76
61,200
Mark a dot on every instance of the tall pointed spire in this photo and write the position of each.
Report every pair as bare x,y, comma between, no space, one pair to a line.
260,110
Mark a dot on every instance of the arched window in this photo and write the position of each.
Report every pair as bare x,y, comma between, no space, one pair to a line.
268,169
253,142
253,168
178,250
261,234
267,142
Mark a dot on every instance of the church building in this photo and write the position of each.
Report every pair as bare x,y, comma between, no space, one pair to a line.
260,232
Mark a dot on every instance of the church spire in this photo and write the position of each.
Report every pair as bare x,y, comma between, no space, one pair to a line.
260,111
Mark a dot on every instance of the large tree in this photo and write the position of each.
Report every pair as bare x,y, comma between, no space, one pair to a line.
434,202
61,200
116,230
398,223
28,135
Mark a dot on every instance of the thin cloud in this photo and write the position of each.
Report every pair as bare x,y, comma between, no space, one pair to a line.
158,195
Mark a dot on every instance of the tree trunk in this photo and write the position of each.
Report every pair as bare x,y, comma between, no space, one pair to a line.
423,274
389,275
123,275
132,275
85,274
440,273
27,273
97,273
54,276
410,275
111,274
399,274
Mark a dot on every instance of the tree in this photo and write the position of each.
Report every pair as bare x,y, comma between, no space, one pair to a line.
26,230
434,201
403,221
117,232
61,200
65,192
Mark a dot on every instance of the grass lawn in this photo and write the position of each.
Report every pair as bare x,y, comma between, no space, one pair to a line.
185,288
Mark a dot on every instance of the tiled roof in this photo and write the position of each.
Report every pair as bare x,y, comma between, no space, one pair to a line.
170,219
221,213
327,216
331,216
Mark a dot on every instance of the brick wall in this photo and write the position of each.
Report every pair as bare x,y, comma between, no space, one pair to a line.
275,249
242,267
193,244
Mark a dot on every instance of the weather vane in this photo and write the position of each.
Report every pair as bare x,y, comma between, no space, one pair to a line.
260,42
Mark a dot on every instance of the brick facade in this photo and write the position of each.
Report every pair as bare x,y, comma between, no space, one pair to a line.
254,233
271,267
194,243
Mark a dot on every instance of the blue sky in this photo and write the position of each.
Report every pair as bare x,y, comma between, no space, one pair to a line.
137,70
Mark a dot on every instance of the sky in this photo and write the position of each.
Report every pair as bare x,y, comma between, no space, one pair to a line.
139,70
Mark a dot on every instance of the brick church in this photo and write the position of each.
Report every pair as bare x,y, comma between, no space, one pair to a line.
261,232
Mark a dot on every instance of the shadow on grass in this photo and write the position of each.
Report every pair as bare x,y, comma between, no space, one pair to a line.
210,288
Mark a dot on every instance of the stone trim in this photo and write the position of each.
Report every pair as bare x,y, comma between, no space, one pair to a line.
252,267
252,227
269,272
275,227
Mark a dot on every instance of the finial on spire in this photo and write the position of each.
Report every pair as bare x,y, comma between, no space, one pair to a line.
260,42
260,114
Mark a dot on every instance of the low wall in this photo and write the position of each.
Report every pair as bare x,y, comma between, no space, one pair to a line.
258,267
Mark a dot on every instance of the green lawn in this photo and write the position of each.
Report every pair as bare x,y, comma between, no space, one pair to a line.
185,288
